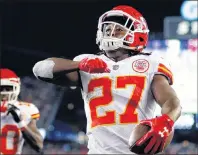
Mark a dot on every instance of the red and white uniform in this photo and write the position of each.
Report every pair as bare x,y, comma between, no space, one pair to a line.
11,140
115,102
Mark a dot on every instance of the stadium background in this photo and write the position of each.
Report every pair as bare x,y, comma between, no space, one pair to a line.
32,31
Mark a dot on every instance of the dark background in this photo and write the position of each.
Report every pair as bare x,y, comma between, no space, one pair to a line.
64,28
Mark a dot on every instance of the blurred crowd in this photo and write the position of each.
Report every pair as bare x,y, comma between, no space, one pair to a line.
184,147
54,148
44,95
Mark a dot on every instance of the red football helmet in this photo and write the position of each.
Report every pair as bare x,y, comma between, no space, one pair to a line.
11,80
129,19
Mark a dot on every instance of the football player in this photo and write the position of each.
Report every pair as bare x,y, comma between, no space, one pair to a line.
120,85
18,119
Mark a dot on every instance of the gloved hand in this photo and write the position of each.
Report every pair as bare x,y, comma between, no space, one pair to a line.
18,116
15,112
159,132
95,65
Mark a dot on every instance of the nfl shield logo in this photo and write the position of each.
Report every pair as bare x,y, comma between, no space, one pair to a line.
115,67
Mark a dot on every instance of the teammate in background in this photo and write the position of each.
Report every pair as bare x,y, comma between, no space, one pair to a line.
18,119
120,85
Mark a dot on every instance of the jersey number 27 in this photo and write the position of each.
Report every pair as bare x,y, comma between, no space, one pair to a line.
129,115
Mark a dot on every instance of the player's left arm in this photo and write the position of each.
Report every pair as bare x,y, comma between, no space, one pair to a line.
166,97
163,93
32,135
162,126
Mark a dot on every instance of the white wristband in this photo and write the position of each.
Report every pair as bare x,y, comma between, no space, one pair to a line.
21,124
44,68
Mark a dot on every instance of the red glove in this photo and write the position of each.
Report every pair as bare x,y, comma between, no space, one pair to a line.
93,66
160,130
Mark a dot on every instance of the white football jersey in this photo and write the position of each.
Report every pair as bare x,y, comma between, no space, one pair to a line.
11,136
115,102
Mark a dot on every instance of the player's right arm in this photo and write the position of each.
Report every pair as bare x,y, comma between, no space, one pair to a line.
65,72
58,71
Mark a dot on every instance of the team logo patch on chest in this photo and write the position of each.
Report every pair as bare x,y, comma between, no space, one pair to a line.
140,65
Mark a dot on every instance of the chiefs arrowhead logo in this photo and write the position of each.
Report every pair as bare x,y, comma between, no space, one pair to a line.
140,65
